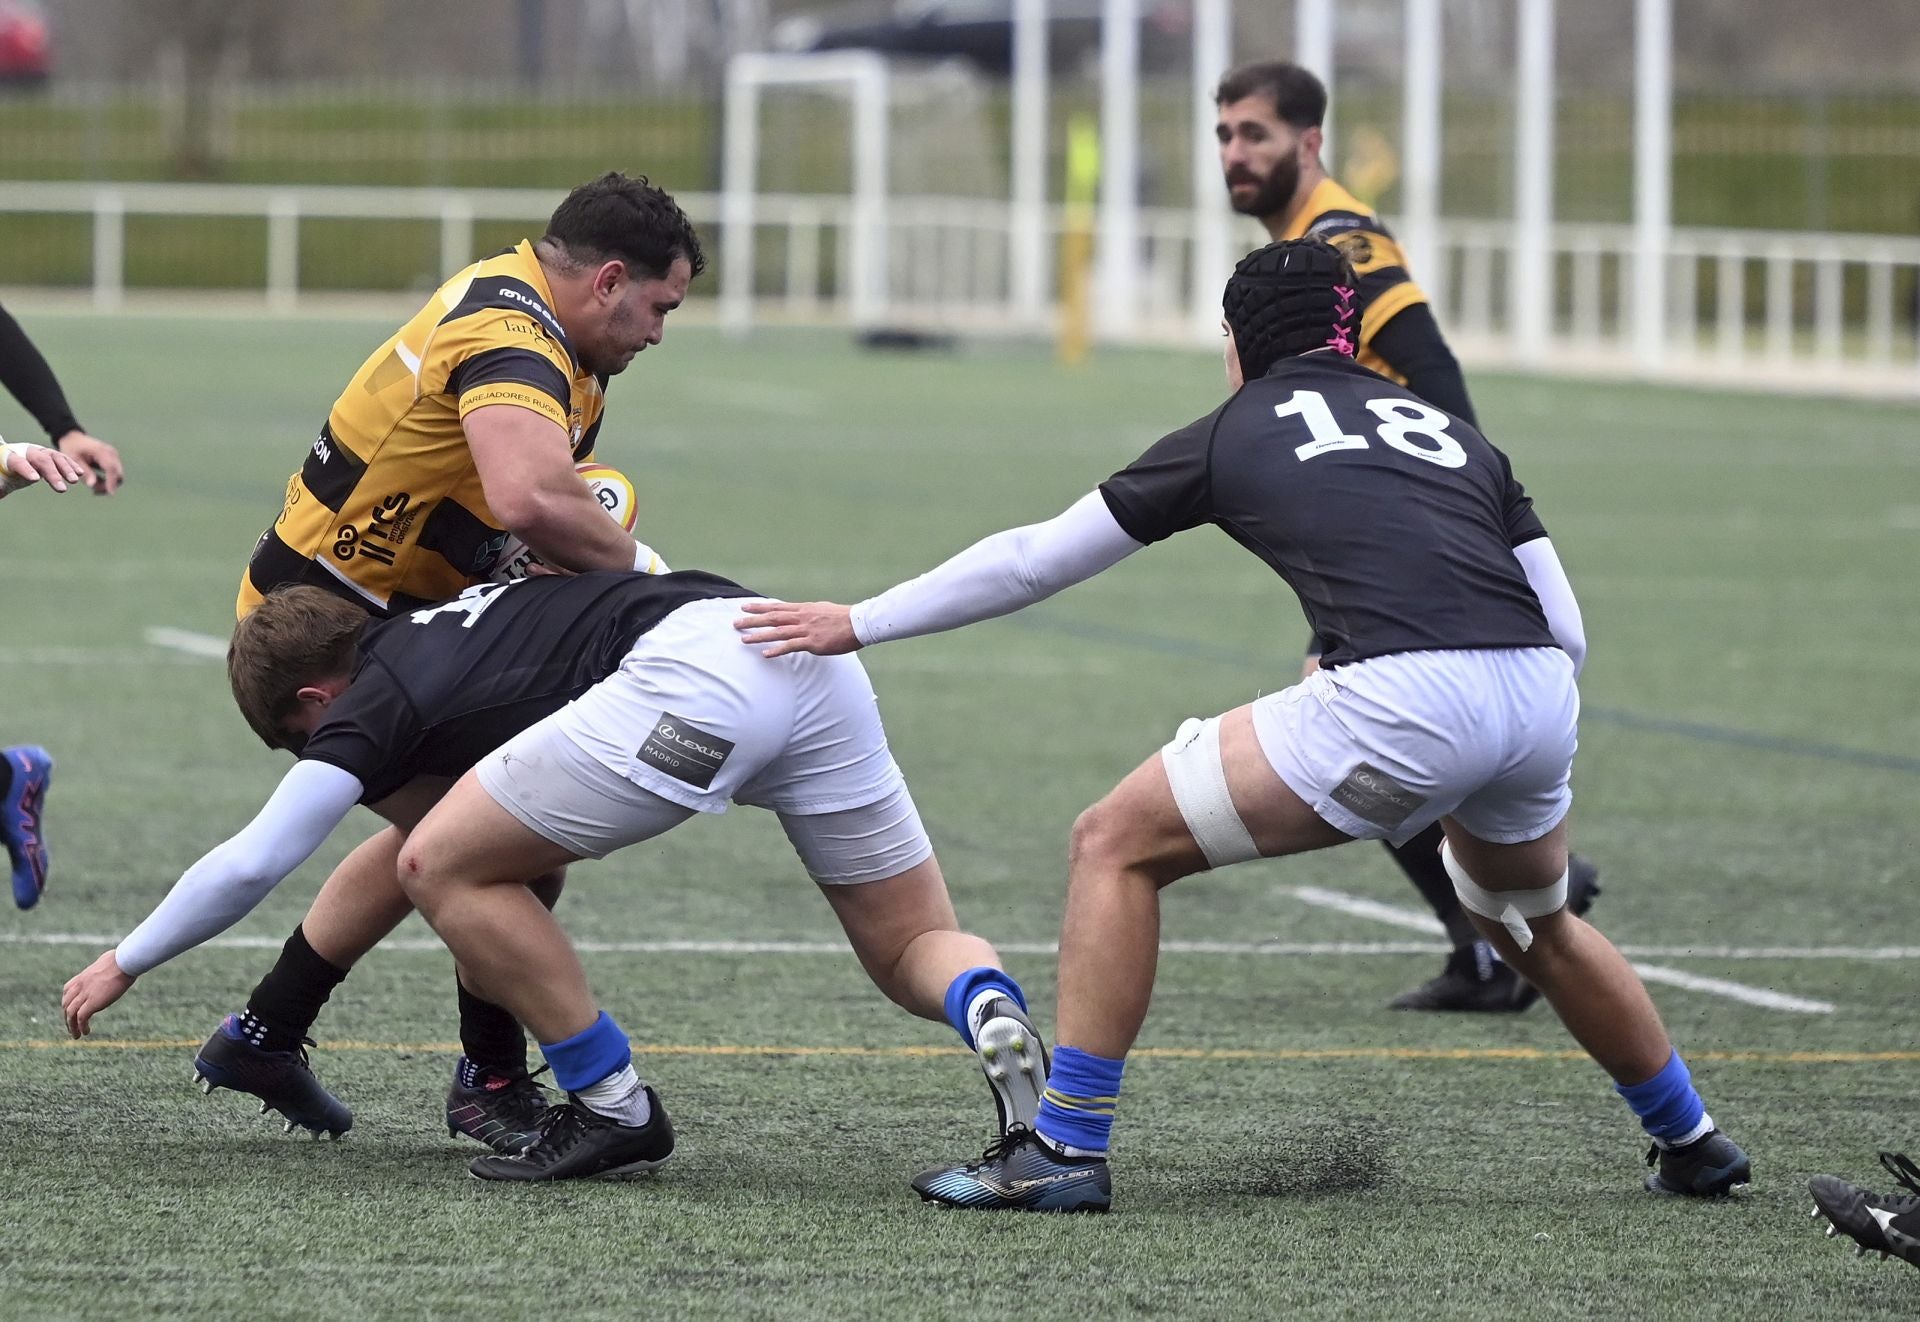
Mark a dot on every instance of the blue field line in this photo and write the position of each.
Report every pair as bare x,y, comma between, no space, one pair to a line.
1702,731
1769,743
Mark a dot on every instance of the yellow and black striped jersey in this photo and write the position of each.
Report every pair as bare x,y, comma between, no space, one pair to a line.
1386,287
388,504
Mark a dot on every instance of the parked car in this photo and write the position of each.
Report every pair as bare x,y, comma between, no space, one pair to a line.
981,31
26,49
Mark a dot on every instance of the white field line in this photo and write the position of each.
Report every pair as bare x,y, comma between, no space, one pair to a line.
1734,991
1396,916
185,640
1336,949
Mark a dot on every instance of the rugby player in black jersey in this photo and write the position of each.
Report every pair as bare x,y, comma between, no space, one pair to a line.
579,715
1269,136
1446,694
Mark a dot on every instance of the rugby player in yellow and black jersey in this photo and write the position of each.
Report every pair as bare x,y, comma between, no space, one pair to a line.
1269,134
466,425
462,428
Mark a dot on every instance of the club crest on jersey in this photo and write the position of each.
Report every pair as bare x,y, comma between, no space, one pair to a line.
1357,247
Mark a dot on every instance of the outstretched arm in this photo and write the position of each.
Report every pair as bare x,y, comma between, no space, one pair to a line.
995,576
222,887
23,463
28,379
1541,564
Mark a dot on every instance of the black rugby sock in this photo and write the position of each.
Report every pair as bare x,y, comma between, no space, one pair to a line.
490,1036
1419,859
283,1007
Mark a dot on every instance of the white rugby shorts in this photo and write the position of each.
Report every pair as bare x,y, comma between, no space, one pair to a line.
1383,748
695,719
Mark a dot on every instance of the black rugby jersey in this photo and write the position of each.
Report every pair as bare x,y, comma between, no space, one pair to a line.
1393,521
436,689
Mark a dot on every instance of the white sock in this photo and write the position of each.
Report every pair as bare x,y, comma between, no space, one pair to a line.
1693,1135
1067,1149
977,1009
620,1096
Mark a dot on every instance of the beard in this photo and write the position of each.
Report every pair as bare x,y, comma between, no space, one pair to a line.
1270,195
608,360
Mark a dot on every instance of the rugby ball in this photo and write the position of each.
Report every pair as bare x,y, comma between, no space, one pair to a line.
614,492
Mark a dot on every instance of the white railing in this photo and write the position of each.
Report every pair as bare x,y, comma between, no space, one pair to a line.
1745,307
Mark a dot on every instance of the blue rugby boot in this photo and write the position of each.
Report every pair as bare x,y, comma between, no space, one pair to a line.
1019,1173
1014,1059
31,769
1710,1167
282,1080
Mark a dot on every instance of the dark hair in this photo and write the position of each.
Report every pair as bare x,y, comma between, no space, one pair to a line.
1298,97
1290,298
296,637
616,217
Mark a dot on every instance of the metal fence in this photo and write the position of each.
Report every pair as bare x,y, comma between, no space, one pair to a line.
1780,309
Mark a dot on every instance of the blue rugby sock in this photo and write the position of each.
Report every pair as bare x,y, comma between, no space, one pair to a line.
969,987
1669,1109
590,1055
1076,1110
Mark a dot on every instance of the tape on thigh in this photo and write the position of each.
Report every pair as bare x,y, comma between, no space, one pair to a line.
1199,782
1511,909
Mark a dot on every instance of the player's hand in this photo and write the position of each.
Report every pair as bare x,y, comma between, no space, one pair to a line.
100,466
92,990
779,627
32,463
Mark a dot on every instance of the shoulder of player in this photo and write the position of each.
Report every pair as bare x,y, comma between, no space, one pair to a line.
380,668
500,308
1362,238
1335,221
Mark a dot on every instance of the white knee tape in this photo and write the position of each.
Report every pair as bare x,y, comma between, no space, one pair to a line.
1511,909
1199,784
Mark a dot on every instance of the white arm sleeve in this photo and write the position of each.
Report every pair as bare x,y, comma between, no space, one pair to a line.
1541,565
223,887
1000,574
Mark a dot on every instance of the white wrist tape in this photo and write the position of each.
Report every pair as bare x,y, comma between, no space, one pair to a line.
1199,782
1511,909
8,481
646,560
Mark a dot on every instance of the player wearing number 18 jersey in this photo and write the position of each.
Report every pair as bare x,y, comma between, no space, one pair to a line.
1446,694
1269,135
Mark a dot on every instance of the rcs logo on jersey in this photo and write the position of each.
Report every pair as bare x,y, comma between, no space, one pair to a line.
1356,247
1368,250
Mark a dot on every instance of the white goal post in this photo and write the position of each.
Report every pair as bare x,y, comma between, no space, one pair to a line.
863,75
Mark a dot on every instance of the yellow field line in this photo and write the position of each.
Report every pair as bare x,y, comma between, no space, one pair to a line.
1145,1053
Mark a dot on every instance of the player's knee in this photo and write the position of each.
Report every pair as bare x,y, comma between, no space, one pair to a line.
1098,836
1527,916
1111,837
420,876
